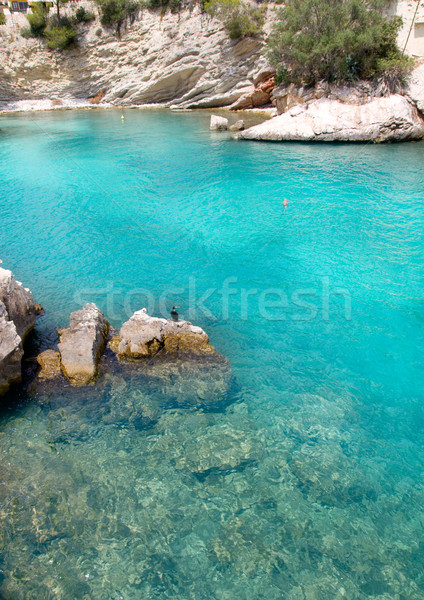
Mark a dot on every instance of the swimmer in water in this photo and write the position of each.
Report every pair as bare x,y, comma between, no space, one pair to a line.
285,202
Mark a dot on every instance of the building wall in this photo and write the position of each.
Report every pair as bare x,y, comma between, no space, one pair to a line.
415,43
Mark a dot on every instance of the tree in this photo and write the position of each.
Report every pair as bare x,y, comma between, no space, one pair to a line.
334,40
58,4
114,12
240,19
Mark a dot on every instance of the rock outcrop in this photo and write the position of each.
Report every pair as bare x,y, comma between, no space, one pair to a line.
416,87
18,312
18,302
143,336
218,123
260,96
82,344
391,118
11,352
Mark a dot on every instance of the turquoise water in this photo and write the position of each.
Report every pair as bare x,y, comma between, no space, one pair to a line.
307,482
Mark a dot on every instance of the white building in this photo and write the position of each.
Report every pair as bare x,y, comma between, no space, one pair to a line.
411,36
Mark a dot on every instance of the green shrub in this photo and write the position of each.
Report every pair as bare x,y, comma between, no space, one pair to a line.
240,20
83,16
114,12
2,18
60,37
37,20
174,6
334,40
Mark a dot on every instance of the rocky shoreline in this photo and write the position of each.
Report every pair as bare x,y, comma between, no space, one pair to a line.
187,62
173,354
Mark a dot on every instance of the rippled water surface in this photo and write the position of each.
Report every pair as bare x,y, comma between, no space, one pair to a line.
306,483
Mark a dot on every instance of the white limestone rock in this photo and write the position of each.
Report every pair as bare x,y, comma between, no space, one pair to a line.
391,118
11,352
143,336
82,344
416,87
19,303
184,59
218,123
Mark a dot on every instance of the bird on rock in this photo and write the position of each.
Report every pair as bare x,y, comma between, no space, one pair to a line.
174,313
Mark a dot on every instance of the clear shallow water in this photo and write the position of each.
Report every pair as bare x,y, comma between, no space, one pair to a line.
308,484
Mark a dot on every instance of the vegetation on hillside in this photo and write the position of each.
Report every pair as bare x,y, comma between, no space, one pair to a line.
115,12
59,32
2,18
335,40
240,19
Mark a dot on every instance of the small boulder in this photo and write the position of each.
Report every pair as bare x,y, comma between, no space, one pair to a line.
49,361
218,123
238,125
11,352
82,345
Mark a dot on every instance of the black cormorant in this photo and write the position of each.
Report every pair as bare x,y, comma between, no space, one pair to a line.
174,313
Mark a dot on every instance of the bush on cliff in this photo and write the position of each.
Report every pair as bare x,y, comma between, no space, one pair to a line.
37,21
59,32
2,18
174,5
114,12
84,16
334,40
240,20
60,37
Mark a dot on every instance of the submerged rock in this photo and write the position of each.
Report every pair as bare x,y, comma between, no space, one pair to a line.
11,352
218,123
82,344
218,449
386,119
49,361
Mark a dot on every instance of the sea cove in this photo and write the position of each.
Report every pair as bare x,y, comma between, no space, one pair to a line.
305,482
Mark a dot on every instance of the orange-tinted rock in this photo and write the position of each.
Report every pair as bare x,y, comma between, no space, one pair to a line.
49,361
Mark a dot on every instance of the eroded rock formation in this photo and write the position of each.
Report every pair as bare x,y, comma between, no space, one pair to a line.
18,302
186,60
82,344
18,312
143,336
391,118
11,352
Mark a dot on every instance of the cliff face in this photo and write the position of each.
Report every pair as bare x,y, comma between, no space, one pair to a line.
185,59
